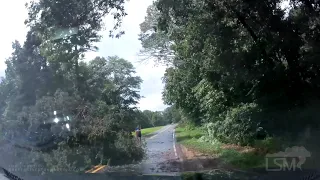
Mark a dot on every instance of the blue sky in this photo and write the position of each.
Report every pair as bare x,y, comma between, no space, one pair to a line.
13,14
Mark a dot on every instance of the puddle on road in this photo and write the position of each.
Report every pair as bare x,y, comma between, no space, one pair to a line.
165,162
134,168
168,167
156,142
165,167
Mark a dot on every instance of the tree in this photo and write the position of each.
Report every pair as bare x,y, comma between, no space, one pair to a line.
66,112
93,118
156,44
69,28
172,114
155,118
239,60
143,120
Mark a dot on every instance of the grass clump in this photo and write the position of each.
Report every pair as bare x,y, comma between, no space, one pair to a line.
238,156
148,131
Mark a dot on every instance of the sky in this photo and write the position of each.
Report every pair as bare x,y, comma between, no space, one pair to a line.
13,14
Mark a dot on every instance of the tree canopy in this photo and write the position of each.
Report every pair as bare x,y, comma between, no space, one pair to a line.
58,111
238,65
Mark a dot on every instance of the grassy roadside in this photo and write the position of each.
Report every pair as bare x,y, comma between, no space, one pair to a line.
148,131
240,157
248,157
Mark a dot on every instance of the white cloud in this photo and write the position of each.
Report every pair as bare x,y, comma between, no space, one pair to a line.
151,103
152,86
13,14
127,47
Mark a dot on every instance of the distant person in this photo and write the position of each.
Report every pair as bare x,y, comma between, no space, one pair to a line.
138,134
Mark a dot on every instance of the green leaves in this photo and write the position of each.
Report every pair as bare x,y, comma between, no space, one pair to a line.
156,42
40,81
211,101
172,114
49,93
230,54
68,29
115,81
239,126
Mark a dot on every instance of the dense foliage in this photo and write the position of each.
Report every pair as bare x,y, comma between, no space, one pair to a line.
159,118
57,111
238,65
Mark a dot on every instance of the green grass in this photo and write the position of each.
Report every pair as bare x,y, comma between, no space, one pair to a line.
148,131
191,138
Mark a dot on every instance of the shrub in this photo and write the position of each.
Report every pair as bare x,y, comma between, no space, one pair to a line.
238,127
127,149
269,145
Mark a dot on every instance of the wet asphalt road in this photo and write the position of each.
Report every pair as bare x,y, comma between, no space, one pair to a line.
161,152
161,155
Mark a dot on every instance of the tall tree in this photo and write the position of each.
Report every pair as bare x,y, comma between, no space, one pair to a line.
156,43
236,59
70,28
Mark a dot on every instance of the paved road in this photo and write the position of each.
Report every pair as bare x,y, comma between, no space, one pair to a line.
161,155
161,152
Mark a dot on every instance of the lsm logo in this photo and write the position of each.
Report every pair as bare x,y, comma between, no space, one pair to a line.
291,159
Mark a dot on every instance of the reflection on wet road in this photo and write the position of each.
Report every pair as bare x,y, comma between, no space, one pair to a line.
161,153
161,156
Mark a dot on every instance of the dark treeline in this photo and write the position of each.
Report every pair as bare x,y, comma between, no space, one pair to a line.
159,118
235,66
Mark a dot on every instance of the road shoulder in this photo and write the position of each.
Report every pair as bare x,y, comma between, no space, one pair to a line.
198,154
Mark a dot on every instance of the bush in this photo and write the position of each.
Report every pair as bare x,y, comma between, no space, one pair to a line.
238,127
97,132
127,149
212,102
269,145
66,159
